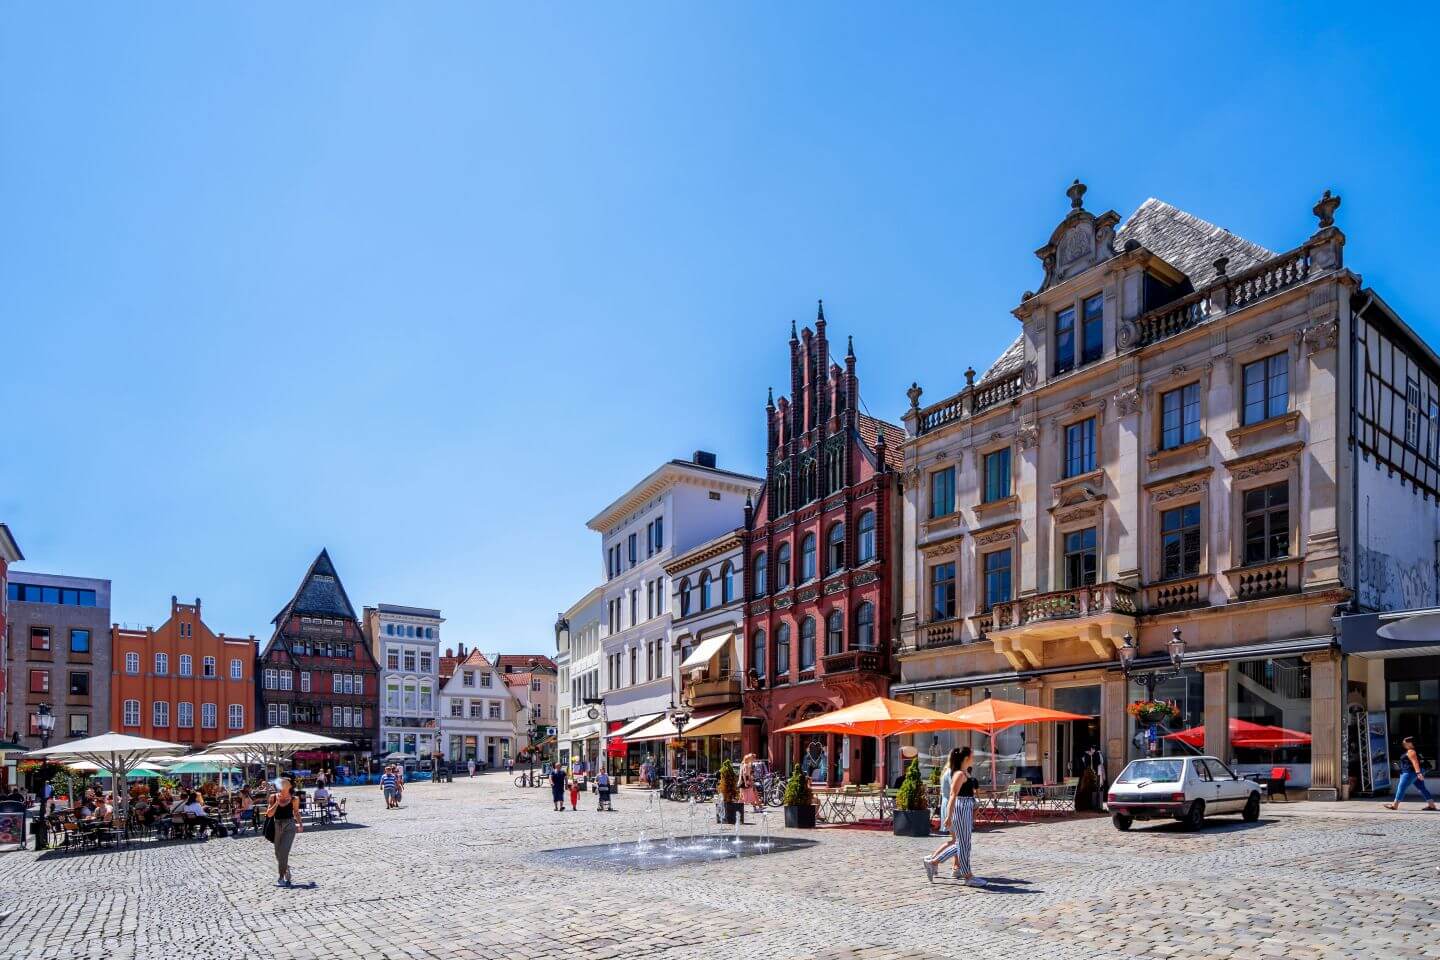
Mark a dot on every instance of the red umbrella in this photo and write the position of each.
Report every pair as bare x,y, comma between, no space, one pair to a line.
1246,733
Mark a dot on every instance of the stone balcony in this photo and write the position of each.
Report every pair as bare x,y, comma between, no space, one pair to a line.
1257,581
853,661
1099,615
717,692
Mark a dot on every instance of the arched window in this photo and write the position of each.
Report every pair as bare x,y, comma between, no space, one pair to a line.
186,664
757,653
727,583
807,643
782,567
835,548
705,590
162,666
760,576
865,626
685,597
782,650
865,548
807,557
835,633
132,665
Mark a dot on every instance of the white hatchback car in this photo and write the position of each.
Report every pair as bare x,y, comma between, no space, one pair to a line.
1187,789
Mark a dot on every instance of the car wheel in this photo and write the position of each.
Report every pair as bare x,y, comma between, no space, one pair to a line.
1195,816
1251,813
1122,822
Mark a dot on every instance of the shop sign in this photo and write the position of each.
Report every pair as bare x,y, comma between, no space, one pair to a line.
1378,729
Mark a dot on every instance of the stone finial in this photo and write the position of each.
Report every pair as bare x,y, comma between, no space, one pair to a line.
969,376
794,335
914,393
1220,265
1076,193
850,347
820,311
769,398
1325,209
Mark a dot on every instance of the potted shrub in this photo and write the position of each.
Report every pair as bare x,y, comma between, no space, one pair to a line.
799,801
728,807
912,809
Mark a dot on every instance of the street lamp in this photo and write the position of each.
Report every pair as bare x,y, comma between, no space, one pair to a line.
679,718
1150,679
45,720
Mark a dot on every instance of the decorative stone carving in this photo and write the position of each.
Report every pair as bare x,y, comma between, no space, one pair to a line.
1128,401
1032,374
1125,335
1178,369
1325,208
1079,513
1028,435
1260,467
994,536
914,393
1179,490
864,577
1264,338
1320,336
1079,241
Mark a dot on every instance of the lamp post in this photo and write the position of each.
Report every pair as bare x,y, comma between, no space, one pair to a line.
679,719
1150,679
45,720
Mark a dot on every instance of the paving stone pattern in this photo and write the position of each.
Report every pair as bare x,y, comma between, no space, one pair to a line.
454,874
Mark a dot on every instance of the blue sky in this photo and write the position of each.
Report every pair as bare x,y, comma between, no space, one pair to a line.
429,285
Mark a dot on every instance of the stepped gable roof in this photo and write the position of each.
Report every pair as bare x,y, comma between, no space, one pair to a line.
1187,243
869,428
321,594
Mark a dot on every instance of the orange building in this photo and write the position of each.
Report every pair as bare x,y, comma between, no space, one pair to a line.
181,682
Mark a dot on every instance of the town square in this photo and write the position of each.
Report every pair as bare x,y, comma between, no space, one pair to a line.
821,481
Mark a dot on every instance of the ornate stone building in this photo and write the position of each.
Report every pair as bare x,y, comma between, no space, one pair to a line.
1191,432
820,546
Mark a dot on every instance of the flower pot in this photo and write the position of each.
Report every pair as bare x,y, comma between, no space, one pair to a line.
800,817
732,812
1152,719
912,823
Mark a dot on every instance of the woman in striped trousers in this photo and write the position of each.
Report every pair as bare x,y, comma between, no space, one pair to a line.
962,820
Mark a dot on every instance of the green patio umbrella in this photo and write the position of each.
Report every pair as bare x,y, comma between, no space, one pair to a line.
199,766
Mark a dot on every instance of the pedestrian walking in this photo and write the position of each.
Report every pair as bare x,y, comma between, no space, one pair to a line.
574,791
557,787
283,816
748,793
387,787
962,820
954,762
1412,770
471,765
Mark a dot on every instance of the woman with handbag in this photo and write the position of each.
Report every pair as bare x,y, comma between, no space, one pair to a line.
282,822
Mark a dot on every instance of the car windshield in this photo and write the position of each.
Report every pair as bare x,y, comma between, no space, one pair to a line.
1156,771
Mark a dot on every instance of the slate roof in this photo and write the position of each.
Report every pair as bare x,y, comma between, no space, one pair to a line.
321,594
1008,362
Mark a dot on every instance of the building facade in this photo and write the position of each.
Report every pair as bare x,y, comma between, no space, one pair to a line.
1191,433
317,674
577,644
477,712
58,655
820,546
533,680
679,505
405,642
9,553
180,681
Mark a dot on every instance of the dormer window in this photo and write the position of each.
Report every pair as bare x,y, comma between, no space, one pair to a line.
1065,340
1091,344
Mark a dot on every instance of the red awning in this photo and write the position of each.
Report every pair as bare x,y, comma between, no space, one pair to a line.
1247,733
615,747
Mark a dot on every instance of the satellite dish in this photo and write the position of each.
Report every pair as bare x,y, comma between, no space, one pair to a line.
1421,628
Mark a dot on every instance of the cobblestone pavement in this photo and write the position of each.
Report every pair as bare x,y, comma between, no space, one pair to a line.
451,875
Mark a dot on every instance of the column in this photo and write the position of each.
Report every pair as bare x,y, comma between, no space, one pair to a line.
1327,706
1114,724
1032,689
1217,709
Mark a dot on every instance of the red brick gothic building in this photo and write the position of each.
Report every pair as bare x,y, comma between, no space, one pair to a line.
820,556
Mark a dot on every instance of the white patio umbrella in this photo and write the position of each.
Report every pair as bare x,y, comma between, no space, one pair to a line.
115,753
269,747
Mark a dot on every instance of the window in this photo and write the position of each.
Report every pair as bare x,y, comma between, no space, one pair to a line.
336,684
1092,332
807,643
389,629
1080,448
997,475
304,681
1180,416
162,664
807,558
865,626
835,633
1080,558
865,547
782,567
1180,542
283,712
457,708
160,713
759,575
207,667
39,638
39,681
207,716
1412,412
494,711
634,553
132,663
1267,523
287,680
942,591
997,577
271,679
79,725
237,669
272,714
705,590
409,659
727,583
184,714
942,492
685,597
1267,388
79,641
782,650
131,715
659,533
634,658
237,716
426,661
79,683
1065,340
486,680
634,605
835,548
186,664
757,653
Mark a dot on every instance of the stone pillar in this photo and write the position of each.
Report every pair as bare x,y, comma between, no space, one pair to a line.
1032,689
1114,723
1327,706
1217,709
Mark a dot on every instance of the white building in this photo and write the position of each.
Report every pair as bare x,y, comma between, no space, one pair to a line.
406,644
577,649
678,506
477,711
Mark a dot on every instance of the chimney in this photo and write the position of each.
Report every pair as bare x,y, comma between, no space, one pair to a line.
449,651
703,458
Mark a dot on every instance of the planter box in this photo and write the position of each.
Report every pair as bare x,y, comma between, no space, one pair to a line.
912,823
800,817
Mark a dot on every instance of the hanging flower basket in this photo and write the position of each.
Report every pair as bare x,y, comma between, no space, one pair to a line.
1153,712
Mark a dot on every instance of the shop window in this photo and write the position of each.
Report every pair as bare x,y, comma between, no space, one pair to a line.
1181,736
1270,717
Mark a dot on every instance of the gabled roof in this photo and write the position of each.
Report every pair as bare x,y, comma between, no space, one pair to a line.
321,594
9,549
522,661
869,429
1187,243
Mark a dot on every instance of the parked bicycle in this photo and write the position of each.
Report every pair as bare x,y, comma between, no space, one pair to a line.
531,778
699,786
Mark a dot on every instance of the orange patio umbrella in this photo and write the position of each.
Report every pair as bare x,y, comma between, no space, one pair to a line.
990,716
879,717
